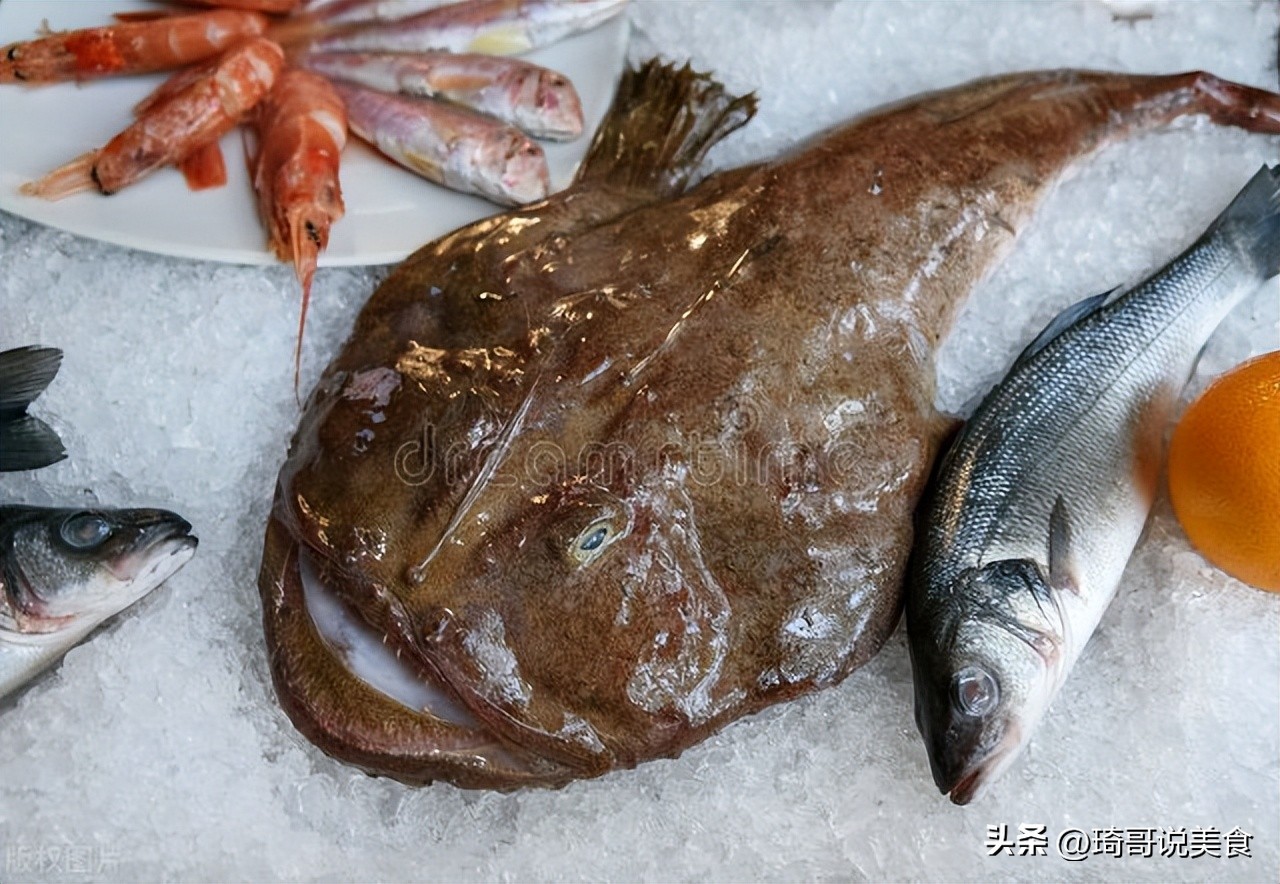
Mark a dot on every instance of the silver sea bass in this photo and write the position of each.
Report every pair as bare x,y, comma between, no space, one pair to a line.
64,572
1043,494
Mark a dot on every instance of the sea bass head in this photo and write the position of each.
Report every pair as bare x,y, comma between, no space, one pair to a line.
985,668
64,571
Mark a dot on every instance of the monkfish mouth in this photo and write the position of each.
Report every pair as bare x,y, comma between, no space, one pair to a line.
374,657
365,697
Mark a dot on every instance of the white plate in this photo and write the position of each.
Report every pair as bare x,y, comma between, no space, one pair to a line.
390,212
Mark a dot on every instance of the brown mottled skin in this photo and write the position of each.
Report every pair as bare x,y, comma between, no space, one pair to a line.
736,381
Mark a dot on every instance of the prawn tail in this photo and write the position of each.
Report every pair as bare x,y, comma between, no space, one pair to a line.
67,179
204,168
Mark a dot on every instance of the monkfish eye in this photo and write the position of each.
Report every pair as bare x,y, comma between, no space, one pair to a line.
85,531
974,691
593,540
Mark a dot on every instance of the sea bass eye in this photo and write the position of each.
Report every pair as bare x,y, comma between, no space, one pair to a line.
592,541
85,531
974,691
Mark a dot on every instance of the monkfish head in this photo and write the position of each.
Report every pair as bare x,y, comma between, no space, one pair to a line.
487,587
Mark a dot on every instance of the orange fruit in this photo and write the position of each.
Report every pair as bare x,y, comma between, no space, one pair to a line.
1224,472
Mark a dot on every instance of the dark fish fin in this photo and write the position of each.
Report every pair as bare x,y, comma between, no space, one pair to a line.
1062,322
1061,570
24,374
28,444
663,121
1056,326
1253,221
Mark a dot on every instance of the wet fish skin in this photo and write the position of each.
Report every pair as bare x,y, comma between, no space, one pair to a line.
494,27
349,11
1042,497
758,348
63,572
452,146
541,102
26,443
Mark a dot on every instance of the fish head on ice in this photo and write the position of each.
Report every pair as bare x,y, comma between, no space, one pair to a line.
984,670
66,570
501,567
448,594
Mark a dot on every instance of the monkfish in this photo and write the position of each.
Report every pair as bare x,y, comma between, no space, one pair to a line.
597,476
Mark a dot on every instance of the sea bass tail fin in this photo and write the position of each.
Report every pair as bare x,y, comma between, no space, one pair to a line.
1253,221
663,121
24,374
28,444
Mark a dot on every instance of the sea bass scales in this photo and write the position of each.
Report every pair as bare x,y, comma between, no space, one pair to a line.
1042,497
64,572
595,477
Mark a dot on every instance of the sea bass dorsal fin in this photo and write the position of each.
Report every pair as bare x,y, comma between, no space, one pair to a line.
1063,321
1062,573
662,122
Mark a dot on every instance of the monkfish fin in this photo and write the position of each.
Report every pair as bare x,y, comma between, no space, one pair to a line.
663,121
